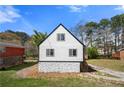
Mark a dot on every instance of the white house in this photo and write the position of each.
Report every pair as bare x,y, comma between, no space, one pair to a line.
61,51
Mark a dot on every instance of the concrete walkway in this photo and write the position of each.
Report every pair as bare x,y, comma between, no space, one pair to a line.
108,71
103,77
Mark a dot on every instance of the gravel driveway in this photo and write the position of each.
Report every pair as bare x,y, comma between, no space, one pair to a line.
108,71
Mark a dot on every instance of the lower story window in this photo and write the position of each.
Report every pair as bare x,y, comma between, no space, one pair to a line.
49,52
72,52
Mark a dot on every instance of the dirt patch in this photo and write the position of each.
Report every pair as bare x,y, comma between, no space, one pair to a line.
56,75
28,72
32,72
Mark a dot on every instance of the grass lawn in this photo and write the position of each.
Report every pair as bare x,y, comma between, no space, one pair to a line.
9,78
114,64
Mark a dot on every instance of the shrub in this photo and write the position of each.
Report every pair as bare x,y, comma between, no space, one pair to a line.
92,52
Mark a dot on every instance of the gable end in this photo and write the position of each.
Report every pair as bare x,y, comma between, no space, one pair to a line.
66,29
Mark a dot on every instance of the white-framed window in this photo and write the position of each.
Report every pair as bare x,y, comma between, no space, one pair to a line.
61,37
72,52
49,52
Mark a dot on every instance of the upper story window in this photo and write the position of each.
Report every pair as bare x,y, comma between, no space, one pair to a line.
61,37
49,52
72,52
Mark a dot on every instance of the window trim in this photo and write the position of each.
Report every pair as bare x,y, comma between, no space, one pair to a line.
59,36
71,53
48,54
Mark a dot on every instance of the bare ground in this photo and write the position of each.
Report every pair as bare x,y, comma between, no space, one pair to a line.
32,72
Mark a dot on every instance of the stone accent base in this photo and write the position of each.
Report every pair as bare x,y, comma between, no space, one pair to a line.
59,66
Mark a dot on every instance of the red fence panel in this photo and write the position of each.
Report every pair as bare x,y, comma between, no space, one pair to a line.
12,51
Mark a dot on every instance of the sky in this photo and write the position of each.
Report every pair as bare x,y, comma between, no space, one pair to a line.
44,18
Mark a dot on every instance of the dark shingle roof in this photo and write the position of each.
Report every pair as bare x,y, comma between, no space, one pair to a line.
67,30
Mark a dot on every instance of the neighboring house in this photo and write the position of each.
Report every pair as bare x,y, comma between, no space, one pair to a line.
119,54
61,51
10,54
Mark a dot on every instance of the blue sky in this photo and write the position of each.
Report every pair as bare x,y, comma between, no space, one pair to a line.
45,18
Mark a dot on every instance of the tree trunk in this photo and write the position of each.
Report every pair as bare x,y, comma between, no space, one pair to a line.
118,41
104,46
122,37
115,43
91,40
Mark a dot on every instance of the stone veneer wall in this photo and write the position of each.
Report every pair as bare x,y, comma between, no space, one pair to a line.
59,66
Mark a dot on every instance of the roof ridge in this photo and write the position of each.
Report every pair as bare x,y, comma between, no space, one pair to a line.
64,28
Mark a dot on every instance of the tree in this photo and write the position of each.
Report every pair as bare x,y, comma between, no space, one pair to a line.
108,34
115,27
104,32
92,52
31,51
90,29
79,31
23,36
38,37
9,38
9,31
122,27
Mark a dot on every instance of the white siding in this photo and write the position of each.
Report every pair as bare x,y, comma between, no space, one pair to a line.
61,47
61,50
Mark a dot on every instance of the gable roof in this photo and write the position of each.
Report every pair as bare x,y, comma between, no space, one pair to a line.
66,29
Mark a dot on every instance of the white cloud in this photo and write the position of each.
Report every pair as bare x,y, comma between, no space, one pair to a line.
8,14
121,7
77,8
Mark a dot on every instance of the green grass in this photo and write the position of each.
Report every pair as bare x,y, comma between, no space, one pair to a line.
104,74
19,67
8,78
117,65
